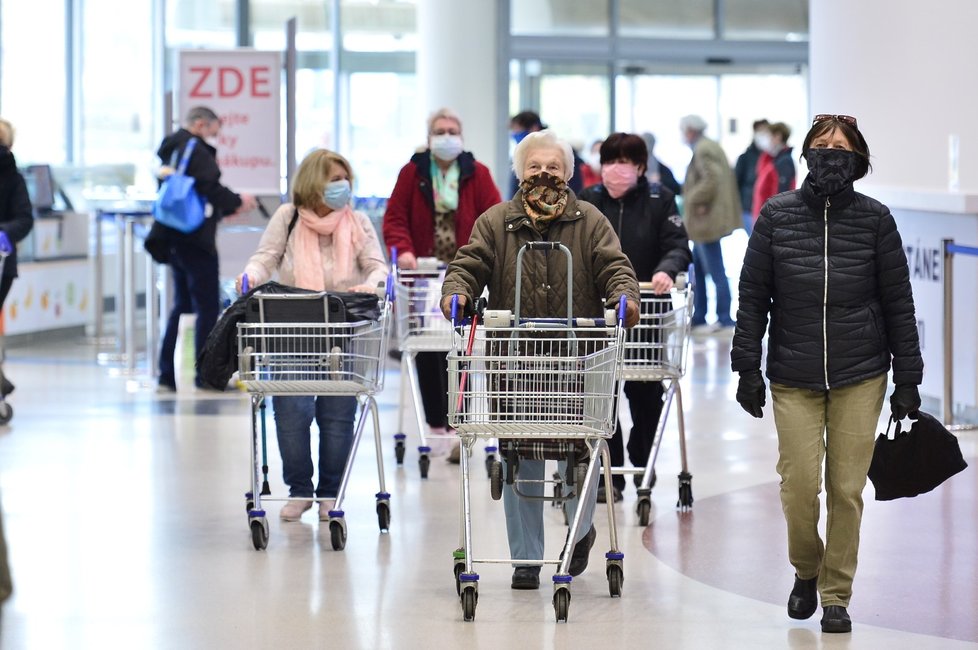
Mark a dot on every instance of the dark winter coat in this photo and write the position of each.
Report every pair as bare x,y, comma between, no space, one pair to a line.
648,225
745,169
207,176
16,216
834,278
409,221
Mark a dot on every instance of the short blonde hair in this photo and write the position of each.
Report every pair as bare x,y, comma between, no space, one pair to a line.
444,113
312,176
545,139
6,133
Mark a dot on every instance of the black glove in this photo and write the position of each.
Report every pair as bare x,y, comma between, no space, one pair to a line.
904,401
750,392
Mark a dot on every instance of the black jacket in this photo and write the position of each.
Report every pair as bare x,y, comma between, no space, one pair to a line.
207,175
833,327
649,226
745,170
16,216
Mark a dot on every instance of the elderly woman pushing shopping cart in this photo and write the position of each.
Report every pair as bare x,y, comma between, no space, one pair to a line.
594,275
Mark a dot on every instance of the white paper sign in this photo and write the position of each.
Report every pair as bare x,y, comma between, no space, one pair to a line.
244,88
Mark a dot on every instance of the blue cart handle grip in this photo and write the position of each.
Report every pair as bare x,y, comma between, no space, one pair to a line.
244,283
622,307
454,309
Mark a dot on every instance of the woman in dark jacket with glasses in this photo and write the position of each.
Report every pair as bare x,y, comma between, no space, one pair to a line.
645,218
828,266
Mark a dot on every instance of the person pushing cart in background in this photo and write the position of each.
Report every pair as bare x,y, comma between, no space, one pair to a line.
543,209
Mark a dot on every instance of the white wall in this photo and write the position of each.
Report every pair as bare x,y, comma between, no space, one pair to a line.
908,71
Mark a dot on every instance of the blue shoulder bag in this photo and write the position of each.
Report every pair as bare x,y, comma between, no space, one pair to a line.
178,205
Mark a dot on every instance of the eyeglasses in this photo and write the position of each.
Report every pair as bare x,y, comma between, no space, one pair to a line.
848,119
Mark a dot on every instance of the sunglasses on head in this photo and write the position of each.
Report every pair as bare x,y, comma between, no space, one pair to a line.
848,119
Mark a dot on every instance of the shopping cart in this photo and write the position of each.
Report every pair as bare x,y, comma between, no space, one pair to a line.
655,350
6,410
547,389
297,345
421,327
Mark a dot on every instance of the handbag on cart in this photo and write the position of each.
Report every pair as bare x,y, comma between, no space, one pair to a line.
914,461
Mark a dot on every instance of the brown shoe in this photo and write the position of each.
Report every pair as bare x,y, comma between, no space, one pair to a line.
455,455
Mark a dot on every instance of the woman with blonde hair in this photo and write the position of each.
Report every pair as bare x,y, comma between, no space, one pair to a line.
317,242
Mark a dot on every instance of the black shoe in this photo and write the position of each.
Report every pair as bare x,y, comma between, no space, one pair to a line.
6,387
582,552
835,618
803,600
603,494
526,577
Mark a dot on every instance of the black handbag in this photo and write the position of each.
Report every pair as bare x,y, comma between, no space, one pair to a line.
916,461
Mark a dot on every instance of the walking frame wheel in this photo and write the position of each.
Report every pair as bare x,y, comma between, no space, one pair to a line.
685,502
562,598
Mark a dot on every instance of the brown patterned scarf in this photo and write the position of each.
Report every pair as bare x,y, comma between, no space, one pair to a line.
544,198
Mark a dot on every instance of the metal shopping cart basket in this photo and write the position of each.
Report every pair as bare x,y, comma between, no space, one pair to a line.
655,350
547,389
421,327
300,344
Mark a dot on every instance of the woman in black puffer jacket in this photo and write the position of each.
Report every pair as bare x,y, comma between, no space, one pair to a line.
828,265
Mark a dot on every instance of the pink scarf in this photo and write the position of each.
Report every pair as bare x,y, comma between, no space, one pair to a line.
307,258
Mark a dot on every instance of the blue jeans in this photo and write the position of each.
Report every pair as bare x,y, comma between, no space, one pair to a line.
748,222
524,517
708,261
293,420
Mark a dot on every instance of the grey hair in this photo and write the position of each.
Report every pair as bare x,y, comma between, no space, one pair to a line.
545,139
6,133
692,123
444,113
200,113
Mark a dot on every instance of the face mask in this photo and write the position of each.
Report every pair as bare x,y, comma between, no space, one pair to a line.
337,194
212,140
618,178
446,147
519,135
762,141
544,197
831,170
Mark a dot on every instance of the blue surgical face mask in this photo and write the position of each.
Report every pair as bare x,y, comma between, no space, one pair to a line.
337,194
519,135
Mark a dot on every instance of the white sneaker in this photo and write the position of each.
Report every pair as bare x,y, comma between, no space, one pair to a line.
325,506
292,511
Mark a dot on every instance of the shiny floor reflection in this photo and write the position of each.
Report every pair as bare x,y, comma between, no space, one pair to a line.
126,524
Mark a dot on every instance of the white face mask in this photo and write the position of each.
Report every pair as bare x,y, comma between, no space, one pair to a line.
446,147
763,141
212,140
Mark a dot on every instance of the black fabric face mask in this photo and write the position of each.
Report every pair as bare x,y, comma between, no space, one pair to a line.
831,170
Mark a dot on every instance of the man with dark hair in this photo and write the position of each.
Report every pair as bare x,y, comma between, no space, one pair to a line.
526,122
745,169
193,256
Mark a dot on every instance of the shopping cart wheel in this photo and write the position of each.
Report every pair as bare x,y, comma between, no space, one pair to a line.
337,534
384,516
424,463
6,412
496,480
616,577
399,448
259,533
644,509
470,597
561,603
490,459
685,502
459,555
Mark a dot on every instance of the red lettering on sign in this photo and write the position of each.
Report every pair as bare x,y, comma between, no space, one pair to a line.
204,73
259,77
227,75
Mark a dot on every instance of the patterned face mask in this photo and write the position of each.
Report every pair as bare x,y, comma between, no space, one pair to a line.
544,197
832,170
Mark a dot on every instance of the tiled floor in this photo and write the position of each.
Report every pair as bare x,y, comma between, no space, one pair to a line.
126,524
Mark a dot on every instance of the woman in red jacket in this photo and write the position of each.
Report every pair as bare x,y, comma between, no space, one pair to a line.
431,211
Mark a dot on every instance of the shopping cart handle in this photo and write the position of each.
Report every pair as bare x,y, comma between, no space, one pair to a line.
454,310
543,245
244,283
622,305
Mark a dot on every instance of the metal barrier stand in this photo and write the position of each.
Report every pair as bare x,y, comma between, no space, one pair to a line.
950,249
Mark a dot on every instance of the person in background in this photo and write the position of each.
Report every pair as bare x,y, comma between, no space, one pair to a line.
192,256
16,219
431,211
827,265
644,216
591,172
657,171
775,168
526,122
711,211
745,170
543,208
317,242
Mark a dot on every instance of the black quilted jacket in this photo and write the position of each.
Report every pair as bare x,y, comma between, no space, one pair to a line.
837,291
